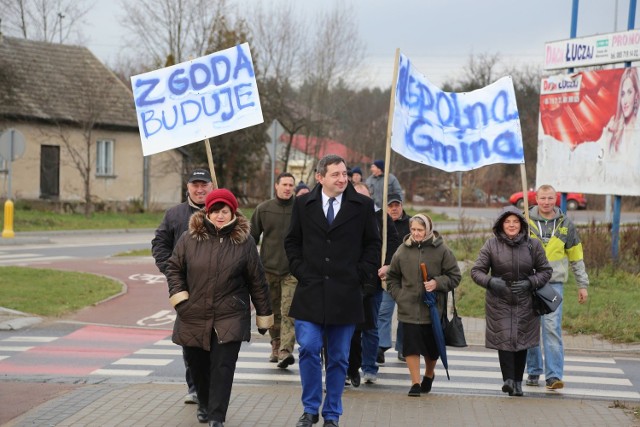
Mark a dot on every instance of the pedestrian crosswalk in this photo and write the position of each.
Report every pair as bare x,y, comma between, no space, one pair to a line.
472,371
20,259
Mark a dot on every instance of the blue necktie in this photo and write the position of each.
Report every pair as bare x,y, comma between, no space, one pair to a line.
330,214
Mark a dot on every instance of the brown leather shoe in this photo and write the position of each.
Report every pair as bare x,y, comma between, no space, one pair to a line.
285,359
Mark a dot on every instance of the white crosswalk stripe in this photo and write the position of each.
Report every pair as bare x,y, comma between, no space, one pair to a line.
25,258
471,371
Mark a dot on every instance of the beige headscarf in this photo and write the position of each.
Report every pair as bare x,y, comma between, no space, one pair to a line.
426,222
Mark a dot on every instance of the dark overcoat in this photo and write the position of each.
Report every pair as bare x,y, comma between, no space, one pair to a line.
332,263
512,324
222,272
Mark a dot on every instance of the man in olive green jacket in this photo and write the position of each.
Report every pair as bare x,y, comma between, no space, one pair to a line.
271,219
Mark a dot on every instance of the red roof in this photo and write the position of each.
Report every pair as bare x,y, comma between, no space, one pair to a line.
319,147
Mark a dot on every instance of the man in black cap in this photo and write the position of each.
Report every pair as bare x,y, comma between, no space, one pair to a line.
388,305
375,182
174,223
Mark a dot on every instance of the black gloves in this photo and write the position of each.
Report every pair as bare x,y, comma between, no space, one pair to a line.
521,286
262,331
498,286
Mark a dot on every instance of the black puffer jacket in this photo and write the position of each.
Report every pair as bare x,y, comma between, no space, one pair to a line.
222,273
174,223
512,324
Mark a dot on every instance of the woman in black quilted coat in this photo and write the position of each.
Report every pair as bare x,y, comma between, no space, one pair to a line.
214,274
510,266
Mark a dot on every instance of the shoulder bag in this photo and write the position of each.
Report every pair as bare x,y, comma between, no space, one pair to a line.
545,300
453,329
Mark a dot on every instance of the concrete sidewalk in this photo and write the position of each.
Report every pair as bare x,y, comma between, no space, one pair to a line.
279,405
62,402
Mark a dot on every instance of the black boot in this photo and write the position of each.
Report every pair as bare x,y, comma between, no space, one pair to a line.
517,390
508,387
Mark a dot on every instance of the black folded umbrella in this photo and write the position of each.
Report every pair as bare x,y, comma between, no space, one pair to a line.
429,298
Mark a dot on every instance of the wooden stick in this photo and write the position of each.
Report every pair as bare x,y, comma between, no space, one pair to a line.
387,157
525,192
212,170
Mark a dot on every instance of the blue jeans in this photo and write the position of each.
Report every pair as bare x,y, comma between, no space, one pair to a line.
309,336
552,343
370,340
385,317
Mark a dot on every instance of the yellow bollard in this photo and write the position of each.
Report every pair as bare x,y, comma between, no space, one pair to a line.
7,232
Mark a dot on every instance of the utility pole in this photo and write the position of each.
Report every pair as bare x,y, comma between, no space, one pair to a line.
60,16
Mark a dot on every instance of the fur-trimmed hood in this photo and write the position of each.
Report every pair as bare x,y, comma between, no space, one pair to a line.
238,230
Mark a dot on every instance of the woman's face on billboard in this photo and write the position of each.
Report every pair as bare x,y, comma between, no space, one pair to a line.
627,98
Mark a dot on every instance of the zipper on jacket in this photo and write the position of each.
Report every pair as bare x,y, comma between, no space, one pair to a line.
240,301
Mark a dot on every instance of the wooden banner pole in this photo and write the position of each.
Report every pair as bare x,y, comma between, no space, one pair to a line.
387,159
212,170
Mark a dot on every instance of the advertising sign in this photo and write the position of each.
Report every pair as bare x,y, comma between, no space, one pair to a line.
593,50
589,133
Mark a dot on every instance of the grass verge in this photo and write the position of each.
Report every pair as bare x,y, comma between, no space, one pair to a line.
52,293
611,311
32,220
138,252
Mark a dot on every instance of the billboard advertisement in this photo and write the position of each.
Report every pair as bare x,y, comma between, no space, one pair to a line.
589,132
593,50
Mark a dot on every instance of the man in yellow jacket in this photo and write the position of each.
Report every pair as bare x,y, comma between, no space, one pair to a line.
563,248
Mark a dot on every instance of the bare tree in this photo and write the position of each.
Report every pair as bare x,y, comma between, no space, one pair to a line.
280,38
176,29
92,98
301,59
482,70
45,20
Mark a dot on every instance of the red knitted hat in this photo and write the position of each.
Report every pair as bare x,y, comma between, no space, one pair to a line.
222,195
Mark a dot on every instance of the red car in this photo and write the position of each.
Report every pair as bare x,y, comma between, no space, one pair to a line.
574,200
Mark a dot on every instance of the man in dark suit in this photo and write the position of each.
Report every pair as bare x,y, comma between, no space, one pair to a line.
333,247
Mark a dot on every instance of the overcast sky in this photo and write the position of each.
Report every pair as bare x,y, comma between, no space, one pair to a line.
437,35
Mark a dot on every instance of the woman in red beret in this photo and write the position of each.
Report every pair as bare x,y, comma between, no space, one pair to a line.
214,274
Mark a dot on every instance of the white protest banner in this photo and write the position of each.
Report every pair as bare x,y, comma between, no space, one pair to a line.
455,131
198,99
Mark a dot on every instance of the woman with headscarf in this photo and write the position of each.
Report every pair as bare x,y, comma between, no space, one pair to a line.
510,266
214,274
407,287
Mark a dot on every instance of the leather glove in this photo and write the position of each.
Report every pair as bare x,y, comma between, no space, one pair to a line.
521,286
498,286
262,331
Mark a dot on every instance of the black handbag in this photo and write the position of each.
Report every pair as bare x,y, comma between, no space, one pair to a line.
546,300
453,329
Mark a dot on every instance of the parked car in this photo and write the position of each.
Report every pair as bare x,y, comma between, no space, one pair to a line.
574,200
